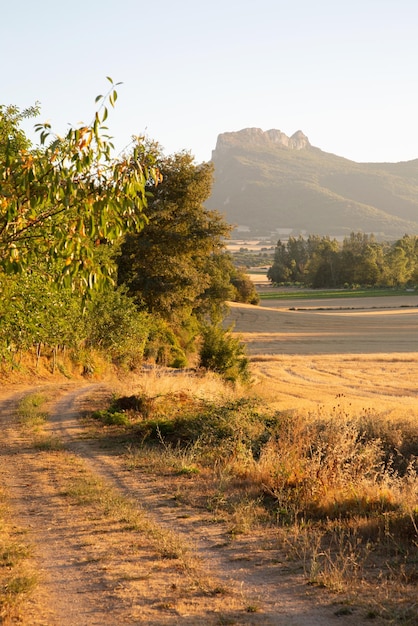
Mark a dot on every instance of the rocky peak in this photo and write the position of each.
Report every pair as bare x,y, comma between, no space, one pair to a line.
255,136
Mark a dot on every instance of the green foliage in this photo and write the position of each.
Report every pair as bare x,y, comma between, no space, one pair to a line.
111,417
290,259
61,200
218,426
322,266
223,353
66,205
12,137
321,262
36,311
245,290
116,328
163,345
170,264
212,301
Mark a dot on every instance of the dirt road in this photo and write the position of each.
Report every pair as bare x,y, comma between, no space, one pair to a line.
112,546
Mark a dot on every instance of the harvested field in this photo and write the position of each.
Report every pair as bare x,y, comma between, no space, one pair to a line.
360,354
358,326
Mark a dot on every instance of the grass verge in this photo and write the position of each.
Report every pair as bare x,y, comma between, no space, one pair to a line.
320,294
341,488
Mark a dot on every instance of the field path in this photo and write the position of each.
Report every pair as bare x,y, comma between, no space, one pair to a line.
96,570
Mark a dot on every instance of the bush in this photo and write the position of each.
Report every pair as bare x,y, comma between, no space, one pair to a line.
245,290
223,353
110,417
118,329
163,346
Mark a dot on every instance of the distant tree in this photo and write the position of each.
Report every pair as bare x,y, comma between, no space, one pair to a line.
403,260
245,290
173,263
359,260
358,263
398,268
291,259
323,265
280,271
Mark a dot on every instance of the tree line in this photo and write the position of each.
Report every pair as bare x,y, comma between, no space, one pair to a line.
318,261
108,255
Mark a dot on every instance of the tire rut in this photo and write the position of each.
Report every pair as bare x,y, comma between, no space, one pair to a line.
66,593
261,575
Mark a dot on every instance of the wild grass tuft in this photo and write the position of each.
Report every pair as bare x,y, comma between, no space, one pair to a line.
29,411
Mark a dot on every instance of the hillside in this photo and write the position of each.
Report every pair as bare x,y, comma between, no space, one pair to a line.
271,184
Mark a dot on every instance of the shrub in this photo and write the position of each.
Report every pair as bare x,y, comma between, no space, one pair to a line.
118,329
163,346
111,417
223,353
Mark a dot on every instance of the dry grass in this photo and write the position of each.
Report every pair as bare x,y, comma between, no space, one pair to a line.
323,448
17,573
320,453
150,569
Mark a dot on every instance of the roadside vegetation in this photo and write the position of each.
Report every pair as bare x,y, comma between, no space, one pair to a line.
129,552
107,262
339,487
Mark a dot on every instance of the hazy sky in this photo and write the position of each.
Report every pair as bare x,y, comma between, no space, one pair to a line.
345,72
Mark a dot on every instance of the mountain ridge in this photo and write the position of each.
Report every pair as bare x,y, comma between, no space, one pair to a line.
266,182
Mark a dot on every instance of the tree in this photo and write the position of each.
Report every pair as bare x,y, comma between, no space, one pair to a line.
407,247
245,290
397,265
212,302
35,312
64,198
170,265
322,268
12,137
291,259
280,272
358,260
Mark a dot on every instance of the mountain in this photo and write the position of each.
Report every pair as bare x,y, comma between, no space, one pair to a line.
267,183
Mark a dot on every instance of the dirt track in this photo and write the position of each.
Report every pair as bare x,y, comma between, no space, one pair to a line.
94,570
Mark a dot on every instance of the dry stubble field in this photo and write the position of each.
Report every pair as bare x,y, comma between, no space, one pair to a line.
361,352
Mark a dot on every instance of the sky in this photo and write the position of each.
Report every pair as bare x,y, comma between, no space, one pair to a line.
345,72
